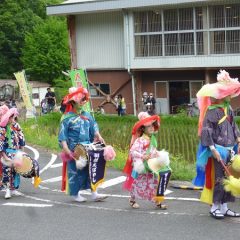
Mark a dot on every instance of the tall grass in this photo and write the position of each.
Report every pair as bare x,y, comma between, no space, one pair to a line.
177,135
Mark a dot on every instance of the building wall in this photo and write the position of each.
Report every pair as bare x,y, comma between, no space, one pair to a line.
115,79
100,40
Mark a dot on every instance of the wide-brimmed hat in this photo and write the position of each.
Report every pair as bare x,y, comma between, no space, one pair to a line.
77,95
144,120
224,87
3,109
5,118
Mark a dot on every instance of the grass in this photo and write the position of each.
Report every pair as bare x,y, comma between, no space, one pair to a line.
177,135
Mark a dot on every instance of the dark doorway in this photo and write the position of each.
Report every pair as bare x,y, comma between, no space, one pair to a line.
178,95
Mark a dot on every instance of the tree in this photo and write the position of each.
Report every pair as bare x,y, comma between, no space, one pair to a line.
16,19
45,52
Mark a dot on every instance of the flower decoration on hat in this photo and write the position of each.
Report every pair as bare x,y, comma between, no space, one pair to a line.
77,95
224,87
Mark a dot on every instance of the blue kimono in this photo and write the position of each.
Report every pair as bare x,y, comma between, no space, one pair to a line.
75,129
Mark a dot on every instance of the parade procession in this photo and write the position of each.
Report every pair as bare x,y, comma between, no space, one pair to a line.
119,119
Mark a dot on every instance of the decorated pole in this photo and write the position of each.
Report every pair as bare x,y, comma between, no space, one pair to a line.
26,93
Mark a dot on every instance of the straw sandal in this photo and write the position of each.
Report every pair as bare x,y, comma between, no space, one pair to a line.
133,204
162,206
230,213
217,214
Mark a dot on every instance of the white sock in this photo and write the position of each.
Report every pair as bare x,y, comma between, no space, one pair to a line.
224,207
214,207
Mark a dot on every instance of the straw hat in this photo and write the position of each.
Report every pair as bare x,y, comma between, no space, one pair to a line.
77,95
144,120
5,117
3,110
224,87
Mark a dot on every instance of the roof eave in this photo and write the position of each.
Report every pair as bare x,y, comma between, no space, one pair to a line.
100,6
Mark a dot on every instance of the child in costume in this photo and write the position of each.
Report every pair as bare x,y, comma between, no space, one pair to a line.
219,135
142,181
11,140
77,129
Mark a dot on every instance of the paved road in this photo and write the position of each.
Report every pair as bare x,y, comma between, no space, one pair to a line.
47,213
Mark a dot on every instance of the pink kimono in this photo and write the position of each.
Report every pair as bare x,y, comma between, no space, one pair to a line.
146,184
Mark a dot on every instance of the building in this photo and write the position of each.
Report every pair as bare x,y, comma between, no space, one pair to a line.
8,90
167,47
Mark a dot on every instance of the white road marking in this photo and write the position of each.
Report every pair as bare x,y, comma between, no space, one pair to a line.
53,159
113,182
35,152
167,192
27,205
85,192
138,211
183,199
56,165
106,184
51,180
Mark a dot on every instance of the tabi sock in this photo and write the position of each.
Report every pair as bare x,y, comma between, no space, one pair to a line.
214,207
224,208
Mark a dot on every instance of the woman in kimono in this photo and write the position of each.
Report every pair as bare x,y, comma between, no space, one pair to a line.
141,182
77,128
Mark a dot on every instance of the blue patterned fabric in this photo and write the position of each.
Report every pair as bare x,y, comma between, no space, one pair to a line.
75,129
203,154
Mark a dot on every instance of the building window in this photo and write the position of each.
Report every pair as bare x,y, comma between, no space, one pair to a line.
104,87
35,95
232,13
170,20
233,41
188,31
171,44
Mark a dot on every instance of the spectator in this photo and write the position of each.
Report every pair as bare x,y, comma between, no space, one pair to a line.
144,100
152,102
51,100
44,106
121,105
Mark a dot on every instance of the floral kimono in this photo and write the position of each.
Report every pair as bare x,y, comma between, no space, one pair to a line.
11,139
146,186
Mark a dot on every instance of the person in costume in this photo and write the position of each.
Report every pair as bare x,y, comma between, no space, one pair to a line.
219,136
77,128
11,140
142,182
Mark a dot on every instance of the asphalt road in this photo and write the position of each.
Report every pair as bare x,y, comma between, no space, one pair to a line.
47,213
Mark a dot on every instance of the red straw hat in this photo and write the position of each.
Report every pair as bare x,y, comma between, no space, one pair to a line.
144,120
77,95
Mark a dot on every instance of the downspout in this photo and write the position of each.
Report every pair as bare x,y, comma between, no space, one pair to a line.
127,44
